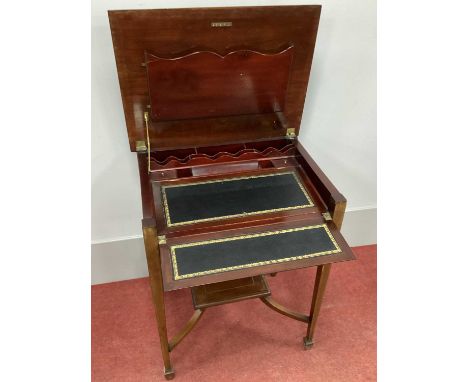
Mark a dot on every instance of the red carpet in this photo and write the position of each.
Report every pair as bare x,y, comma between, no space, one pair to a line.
245,341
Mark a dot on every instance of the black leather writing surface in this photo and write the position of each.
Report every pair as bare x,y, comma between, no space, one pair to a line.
197,259
220,199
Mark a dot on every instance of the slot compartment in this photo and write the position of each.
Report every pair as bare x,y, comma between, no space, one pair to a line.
202,156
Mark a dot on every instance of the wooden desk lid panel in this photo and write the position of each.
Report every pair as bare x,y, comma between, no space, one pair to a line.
205,84
170,33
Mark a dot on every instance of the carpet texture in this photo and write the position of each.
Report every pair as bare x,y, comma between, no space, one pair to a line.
244,341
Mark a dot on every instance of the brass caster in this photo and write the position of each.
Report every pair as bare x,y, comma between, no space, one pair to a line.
307,343
169,374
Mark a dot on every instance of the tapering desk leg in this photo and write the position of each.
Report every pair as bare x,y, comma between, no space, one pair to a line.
321,279
153,259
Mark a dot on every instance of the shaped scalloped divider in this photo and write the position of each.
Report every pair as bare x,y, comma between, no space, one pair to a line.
164,160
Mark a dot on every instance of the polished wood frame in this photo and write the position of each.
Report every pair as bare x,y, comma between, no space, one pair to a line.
249,140
170,33
327,199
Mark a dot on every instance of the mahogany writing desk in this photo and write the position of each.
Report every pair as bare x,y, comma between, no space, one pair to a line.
213,99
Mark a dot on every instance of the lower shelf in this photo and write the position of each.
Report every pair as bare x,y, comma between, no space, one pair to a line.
226,292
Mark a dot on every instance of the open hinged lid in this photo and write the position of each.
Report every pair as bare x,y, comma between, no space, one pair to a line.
211,76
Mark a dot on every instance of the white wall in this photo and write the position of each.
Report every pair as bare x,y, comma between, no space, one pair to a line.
338,129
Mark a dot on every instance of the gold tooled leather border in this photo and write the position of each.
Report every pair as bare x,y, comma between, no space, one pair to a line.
168,215
173,249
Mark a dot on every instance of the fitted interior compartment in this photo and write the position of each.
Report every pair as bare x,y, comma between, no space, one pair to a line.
202,156
228,197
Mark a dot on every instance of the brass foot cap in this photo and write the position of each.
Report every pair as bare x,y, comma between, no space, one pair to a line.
308,343
169,374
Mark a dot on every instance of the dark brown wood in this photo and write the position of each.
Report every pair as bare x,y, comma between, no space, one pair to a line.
338,213
321,279
154,269
223,102
226,292
147,202
337,204
171,32
186,329
206,84
328,192
276,306
188,133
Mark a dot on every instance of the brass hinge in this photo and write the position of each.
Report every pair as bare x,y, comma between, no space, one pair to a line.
162,239
291,133
140,146
327,216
